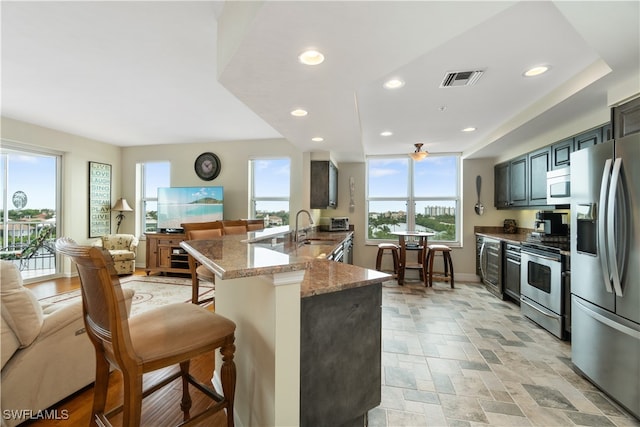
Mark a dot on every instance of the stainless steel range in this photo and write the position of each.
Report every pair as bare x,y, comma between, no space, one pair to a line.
545,283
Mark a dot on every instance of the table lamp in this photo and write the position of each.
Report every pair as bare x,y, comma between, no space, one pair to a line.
121,206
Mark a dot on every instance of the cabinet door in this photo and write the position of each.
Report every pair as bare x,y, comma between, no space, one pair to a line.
501,185
324,185
518,182
588,139
512,277
561,154
333,185
538,167
164,256
626,118
152,252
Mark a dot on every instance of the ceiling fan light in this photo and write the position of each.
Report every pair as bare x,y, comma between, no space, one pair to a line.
419,154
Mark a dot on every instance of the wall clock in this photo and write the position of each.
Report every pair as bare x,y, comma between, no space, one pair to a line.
207,166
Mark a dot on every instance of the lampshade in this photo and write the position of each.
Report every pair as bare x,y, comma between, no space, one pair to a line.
418,154
122,206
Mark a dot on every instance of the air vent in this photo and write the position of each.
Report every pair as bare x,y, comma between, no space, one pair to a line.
461,78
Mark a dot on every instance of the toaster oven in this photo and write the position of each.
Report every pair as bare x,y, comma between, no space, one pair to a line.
339,223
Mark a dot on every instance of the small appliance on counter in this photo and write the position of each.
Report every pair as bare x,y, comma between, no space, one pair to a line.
509,226
334,224
549,223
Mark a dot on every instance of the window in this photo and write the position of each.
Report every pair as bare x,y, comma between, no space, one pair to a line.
30,208
270,187
403,194
151,176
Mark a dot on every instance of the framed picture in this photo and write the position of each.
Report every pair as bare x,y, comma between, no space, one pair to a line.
99,199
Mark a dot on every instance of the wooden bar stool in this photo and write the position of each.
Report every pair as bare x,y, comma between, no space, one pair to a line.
382,247
447,274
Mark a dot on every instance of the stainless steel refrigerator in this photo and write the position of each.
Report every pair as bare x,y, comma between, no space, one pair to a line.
605,267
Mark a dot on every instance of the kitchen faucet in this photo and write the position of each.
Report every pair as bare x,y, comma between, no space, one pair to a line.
295,236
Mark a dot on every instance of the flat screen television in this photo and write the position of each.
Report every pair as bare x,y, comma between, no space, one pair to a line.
177,205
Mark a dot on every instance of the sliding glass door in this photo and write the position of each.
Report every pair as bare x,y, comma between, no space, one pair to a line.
30,207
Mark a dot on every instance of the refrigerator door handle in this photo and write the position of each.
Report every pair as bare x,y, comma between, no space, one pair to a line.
613,262
602,230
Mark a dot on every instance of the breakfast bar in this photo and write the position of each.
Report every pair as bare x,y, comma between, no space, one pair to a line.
308,329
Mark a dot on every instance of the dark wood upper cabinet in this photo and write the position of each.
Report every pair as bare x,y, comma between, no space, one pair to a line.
501,186
626,118
538,168
561,154
324,184
522,181
518,181
588,139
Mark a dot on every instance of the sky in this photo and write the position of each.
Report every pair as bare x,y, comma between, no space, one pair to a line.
435,176
35,176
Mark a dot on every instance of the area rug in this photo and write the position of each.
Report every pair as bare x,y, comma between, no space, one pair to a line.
150,292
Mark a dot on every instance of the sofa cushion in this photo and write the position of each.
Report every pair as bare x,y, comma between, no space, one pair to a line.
20,307
117,241
9,342
122,255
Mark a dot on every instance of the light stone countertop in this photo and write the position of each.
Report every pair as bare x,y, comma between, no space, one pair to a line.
232,257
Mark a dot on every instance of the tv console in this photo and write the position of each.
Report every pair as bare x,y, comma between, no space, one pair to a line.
164,254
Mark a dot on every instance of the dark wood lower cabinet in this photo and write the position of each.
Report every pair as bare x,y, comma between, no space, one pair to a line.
340,356
511,264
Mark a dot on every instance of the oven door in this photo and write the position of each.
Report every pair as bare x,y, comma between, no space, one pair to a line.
541,280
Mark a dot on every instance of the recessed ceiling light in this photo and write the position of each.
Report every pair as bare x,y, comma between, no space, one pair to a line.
536,71
393,84
311,57
469,129
299,112
386,133
317,139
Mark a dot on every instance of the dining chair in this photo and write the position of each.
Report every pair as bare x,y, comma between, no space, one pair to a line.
168,335
198,231
235,226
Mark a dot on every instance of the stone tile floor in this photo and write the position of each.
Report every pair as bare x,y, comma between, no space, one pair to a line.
461,357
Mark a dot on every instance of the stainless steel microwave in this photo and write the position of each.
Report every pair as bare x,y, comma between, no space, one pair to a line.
559,187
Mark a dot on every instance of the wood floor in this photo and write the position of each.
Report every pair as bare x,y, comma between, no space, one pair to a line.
160,409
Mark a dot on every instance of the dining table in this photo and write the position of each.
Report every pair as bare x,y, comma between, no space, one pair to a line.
412,240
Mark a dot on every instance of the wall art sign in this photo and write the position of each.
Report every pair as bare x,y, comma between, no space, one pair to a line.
99,199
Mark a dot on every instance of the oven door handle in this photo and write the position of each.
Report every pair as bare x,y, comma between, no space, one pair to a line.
524,301
602,228
538,256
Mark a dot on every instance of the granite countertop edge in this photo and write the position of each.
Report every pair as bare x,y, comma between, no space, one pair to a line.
321,275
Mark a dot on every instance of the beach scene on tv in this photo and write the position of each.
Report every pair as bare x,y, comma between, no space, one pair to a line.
177,205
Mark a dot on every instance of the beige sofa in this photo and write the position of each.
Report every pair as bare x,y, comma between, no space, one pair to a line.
122,248
46,353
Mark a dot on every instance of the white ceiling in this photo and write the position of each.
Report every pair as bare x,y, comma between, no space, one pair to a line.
140,73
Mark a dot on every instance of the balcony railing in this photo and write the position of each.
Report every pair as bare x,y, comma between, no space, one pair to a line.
30,245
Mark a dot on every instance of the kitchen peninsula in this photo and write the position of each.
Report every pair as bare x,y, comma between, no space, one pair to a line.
308,329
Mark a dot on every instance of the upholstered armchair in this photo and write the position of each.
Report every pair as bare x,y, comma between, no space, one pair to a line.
46,353
122,248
